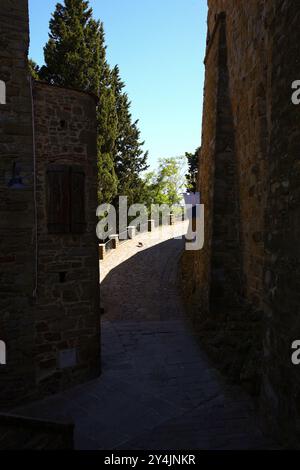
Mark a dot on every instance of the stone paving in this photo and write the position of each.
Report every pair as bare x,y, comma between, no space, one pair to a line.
157,390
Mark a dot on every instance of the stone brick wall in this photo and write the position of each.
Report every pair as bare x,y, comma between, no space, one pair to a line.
16,205
234,150
248,177
49,282
246,43
281,379
68,267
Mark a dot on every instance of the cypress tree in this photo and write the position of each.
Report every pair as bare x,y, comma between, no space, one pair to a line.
107,134
75,57
191,176
75,51
130,160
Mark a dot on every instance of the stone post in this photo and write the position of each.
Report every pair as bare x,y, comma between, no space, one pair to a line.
115,239
151,225
132,231
102,251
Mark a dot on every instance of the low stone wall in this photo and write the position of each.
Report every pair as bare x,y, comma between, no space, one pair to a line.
114,241
20,433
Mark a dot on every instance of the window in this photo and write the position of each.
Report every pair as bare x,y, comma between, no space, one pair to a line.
2,92
66,199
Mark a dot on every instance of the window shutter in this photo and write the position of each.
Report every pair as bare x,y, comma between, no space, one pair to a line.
58,198
78,221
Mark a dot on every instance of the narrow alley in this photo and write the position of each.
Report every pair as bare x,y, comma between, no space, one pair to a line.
157,390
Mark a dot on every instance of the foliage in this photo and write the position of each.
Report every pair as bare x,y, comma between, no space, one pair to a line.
75,57
34,69
130,160
191,177
75,51
167,184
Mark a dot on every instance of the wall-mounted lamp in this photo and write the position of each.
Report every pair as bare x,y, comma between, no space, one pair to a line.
16,181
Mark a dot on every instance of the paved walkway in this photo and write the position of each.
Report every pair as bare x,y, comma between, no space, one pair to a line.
140,283
158,389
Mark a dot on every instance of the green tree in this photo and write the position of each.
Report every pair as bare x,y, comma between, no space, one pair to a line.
75,56
129,157
34,69
107,134
167,184
151,189
191,176
75,52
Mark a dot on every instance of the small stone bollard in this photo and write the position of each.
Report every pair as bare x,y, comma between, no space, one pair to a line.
115,239
151,225
132,231
102,251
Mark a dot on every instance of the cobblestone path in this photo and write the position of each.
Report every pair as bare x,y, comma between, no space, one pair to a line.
140,283
157,390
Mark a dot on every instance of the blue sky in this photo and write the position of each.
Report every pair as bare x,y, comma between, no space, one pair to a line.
159,46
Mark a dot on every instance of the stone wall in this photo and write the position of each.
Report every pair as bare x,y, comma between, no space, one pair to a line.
17,235
22,433
248,178
68,268
281,379
49,270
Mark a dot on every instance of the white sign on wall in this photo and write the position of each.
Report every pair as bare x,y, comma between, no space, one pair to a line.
2,92
2,353
192,199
